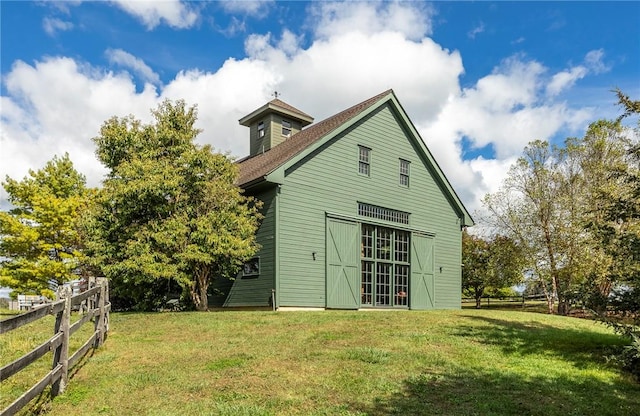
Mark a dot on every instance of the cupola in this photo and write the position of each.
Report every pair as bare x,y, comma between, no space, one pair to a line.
272,124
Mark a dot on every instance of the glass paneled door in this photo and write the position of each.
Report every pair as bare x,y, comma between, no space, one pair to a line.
384,266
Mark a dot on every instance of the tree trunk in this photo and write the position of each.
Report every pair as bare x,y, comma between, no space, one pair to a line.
479,291
204,299
549,297
563,307
550,303
200,288
553,269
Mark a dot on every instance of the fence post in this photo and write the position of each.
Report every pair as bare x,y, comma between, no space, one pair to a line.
61,354
100,320
105,281
91,303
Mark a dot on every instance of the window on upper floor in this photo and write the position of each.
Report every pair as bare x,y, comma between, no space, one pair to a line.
286,128
364,167
261,130
404,172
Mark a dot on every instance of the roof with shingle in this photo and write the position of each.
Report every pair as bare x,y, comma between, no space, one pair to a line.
258,166
278,106
279,103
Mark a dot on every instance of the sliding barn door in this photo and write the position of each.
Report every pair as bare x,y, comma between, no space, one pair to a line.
343,258
422,293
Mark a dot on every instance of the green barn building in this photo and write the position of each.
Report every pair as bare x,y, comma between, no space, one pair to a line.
357,213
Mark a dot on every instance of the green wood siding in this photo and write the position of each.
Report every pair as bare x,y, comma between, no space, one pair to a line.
256,291
273,132
328,181
343,260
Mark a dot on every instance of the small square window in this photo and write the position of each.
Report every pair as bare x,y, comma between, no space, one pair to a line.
286,128
404,172
364,166
251,268
261,129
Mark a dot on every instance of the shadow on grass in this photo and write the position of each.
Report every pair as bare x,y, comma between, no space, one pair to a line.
578,346
465,391
495,393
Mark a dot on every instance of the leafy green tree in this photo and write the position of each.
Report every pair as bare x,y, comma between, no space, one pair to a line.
551,205
490,265
630,107
475,262
169,210
527,209
40,241
603,162
619,231
623,212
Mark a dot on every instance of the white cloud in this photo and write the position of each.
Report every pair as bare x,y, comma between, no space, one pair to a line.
512,84
234,27
594,61
505,109
258,46
247,7
565,79
64,6
53,25
413,20
174,13
137,65
59,104
289,43
223,97
476,30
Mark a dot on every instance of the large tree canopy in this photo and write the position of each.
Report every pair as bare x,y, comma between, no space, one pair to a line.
554,204
39,239
169,209
619,232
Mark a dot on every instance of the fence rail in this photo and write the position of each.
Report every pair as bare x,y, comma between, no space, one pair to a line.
522,300
95,306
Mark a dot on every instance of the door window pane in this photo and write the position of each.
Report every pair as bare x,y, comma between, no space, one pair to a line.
383,284
367,282
401,285
383,244
402,246
367,241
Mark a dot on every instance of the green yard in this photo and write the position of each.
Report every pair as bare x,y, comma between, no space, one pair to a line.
464,362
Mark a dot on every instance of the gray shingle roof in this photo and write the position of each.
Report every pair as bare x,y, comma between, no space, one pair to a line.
256,167
277,106
279,103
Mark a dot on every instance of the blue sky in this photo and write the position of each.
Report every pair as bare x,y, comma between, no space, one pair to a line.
479,79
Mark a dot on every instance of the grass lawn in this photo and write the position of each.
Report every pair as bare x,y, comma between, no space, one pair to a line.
464,362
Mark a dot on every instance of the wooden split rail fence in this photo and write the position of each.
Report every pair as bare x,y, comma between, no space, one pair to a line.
94,305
